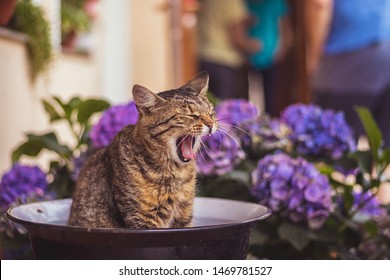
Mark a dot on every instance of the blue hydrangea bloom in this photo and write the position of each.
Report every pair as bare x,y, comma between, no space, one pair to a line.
112,121
366,205
292,187
20,183
78,163
236,111
318,132
266,132
219,154
222,151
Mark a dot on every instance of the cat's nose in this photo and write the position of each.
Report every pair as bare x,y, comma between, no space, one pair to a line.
209,123
210,126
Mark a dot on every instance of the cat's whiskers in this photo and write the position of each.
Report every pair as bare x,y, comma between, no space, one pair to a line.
236,127
226,134
200,158
203,149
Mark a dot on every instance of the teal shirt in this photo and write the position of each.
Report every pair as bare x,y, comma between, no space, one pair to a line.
267,14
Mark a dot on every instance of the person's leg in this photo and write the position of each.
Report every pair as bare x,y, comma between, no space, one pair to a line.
268,88
242,90
226,82
215,77
271,77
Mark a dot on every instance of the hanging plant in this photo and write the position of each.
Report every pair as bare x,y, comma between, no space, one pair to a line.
30,19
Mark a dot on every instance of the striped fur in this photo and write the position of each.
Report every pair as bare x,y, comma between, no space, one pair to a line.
142,180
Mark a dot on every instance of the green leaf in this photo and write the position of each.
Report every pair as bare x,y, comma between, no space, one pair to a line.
214,186
371,227
385,157
297,236
36,143
239,176
372,130
53,114
74,103
258,237
68,107
89,107
348,200
50,142
62,184
28,148
59,101
364,160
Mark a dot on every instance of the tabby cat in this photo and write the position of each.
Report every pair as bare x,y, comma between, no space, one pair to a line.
146,177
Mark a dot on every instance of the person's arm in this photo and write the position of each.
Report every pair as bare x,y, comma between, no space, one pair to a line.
318,16
240,39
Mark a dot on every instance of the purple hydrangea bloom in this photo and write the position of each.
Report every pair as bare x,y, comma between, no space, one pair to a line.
20,183
78,163
318,132
222,151
219,154
236,111
366,205
112,121
266,132
292,187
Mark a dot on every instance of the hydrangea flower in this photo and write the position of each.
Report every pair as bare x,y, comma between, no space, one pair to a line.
318,132
222,151
20,183
219,154
236,111
266,132
78,163
366,206
292,187
112,121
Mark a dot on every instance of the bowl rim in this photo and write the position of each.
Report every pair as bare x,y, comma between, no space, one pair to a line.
30,224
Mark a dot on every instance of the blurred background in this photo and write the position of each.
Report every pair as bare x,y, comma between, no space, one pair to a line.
100,48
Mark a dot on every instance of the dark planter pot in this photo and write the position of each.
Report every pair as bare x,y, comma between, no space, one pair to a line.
7,8
69,41
221,231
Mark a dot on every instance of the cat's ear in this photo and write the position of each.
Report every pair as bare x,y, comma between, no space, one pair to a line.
143,97
200,83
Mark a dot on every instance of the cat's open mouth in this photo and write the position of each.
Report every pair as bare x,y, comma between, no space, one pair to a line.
185,148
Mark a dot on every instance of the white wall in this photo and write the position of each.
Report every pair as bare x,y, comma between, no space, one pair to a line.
133,46
21,110
151,44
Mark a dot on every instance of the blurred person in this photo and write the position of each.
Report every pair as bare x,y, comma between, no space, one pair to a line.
223,44
348,58
271,26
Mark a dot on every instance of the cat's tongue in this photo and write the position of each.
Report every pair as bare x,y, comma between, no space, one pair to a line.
186,148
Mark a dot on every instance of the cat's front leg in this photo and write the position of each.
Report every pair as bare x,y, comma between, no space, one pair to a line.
141,222
184,216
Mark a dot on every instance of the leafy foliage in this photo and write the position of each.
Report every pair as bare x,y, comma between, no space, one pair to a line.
78,115
356,226
74,17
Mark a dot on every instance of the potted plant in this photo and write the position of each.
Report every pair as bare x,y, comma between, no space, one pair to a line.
7,8
75,20
30,19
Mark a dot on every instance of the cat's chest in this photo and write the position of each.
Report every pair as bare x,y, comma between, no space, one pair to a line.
169,206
